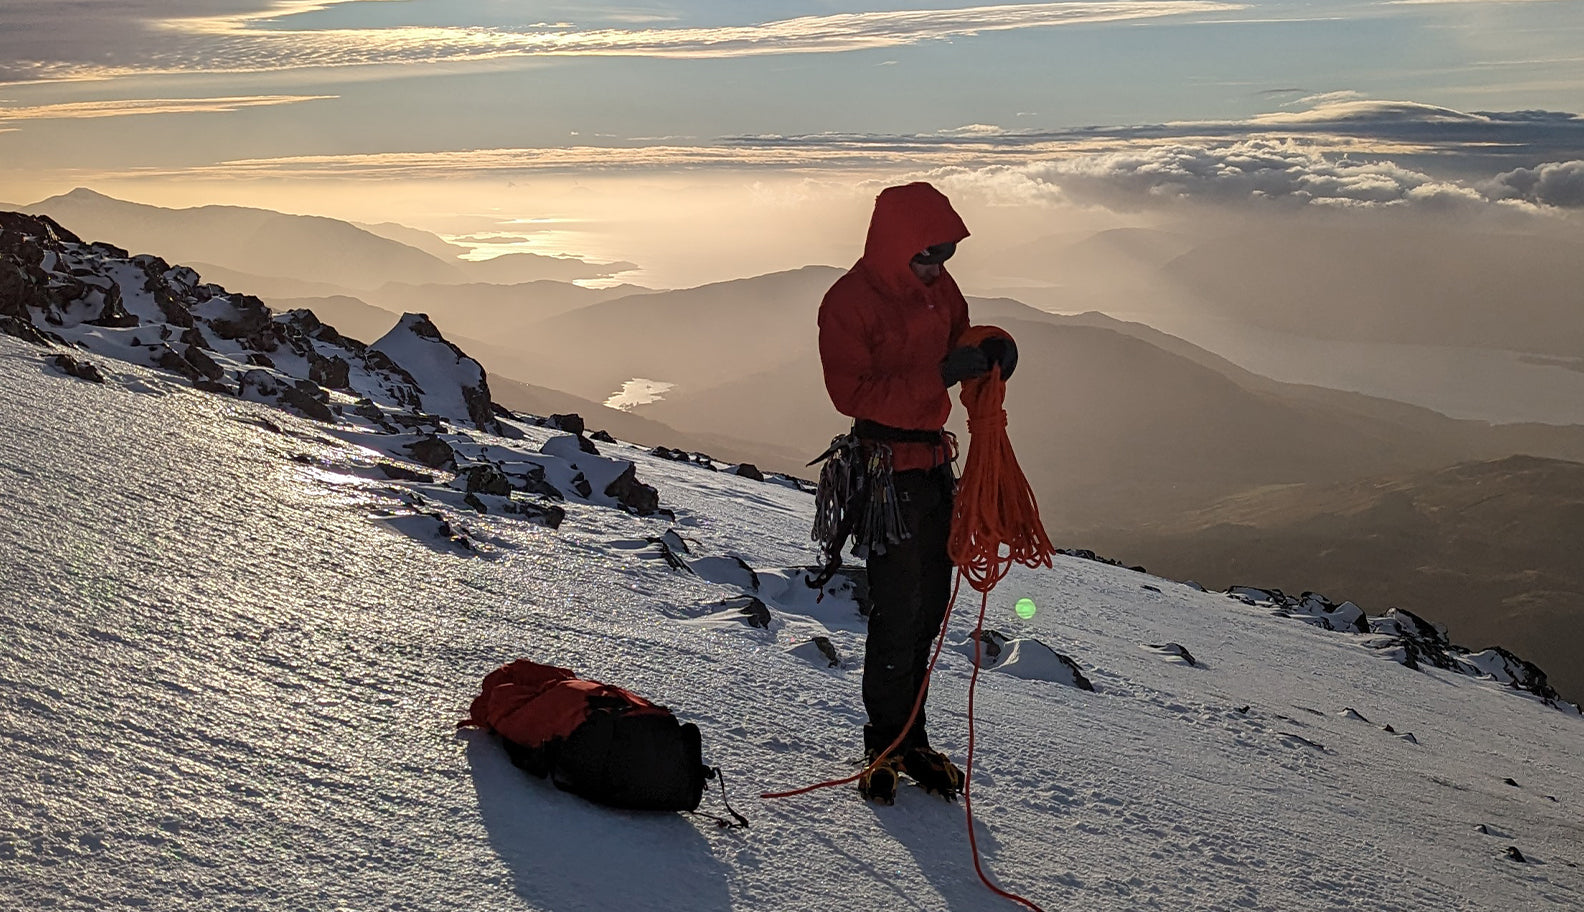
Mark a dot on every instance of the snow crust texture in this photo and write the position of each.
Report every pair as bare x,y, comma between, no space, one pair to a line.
237,641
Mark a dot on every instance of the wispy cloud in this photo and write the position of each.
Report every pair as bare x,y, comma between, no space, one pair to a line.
84,110
242,43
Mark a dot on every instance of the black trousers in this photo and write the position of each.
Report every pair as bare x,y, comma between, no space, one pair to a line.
909,586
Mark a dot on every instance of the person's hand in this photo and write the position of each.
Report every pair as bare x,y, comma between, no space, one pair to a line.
964,363
1001,351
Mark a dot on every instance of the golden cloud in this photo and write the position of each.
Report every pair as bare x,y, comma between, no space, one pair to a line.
85,110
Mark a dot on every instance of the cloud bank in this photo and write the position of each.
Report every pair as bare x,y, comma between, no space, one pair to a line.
1342,153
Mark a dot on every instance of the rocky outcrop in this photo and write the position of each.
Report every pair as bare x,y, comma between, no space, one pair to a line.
411,395
1407,639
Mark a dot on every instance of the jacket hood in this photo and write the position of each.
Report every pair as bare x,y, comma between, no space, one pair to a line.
907,219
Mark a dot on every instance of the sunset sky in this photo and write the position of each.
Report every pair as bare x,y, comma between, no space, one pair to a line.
712,139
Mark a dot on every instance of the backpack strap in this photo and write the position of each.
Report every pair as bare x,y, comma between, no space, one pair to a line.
714,772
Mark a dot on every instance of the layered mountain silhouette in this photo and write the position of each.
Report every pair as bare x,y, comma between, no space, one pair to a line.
306,248
1154,450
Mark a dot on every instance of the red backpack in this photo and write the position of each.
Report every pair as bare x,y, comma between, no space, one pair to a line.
594,740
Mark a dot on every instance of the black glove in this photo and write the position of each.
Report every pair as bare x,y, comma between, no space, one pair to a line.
964,363
1002,351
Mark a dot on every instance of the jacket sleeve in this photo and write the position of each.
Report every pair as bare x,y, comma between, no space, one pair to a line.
903,397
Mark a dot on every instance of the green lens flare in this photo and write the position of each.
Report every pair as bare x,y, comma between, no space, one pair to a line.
1024,608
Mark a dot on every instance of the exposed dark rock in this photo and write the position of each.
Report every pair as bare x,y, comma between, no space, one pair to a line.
176,364
671,550
828,649
193,336
1513,854
202,363
22,329
473,501
757,612
113,314
572,423
486,479
547,515
334,373
432,452
698,459
586,445
1086,554
580,484
402,473
307,404
633,495
532,480
82,370
1176,649
749,471
251,318
602,437
991,642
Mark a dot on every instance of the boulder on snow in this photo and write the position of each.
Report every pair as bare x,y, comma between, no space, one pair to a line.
433,452
82,370
818,651
633,495
485,478
1024,657
1177,650
747,470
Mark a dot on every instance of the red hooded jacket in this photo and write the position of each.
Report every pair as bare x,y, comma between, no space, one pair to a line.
883,332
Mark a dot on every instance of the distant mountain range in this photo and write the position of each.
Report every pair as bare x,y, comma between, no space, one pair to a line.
306,248
1138,443
1362,277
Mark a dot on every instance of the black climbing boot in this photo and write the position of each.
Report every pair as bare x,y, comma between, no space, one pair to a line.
879,781
933,772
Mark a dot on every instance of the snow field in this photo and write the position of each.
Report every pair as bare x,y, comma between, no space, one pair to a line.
224,685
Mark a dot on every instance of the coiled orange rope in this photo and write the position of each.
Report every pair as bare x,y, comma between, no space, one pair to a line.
995,506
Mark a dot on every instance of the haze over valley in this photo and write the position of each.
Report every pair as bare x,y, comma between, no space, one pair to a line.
1140,443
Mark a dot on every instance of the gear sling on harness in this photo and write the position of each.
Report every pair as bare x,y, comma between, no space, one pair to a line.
856,497
995,523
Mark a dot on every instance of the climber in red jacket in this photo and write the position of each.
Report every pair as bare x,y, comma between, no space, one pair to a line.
888,332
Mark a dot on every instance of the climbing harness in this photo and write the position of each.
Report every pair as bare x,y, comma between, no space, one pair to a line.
994,509
856,496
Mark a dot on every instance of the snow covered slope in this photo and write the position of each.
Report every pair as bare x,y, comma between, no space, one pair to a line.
235,641
230,678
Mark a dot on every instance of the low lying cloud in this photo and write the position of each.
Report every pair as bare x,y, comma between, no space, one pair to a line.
241,42
1559,184
1283,172
1341,153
